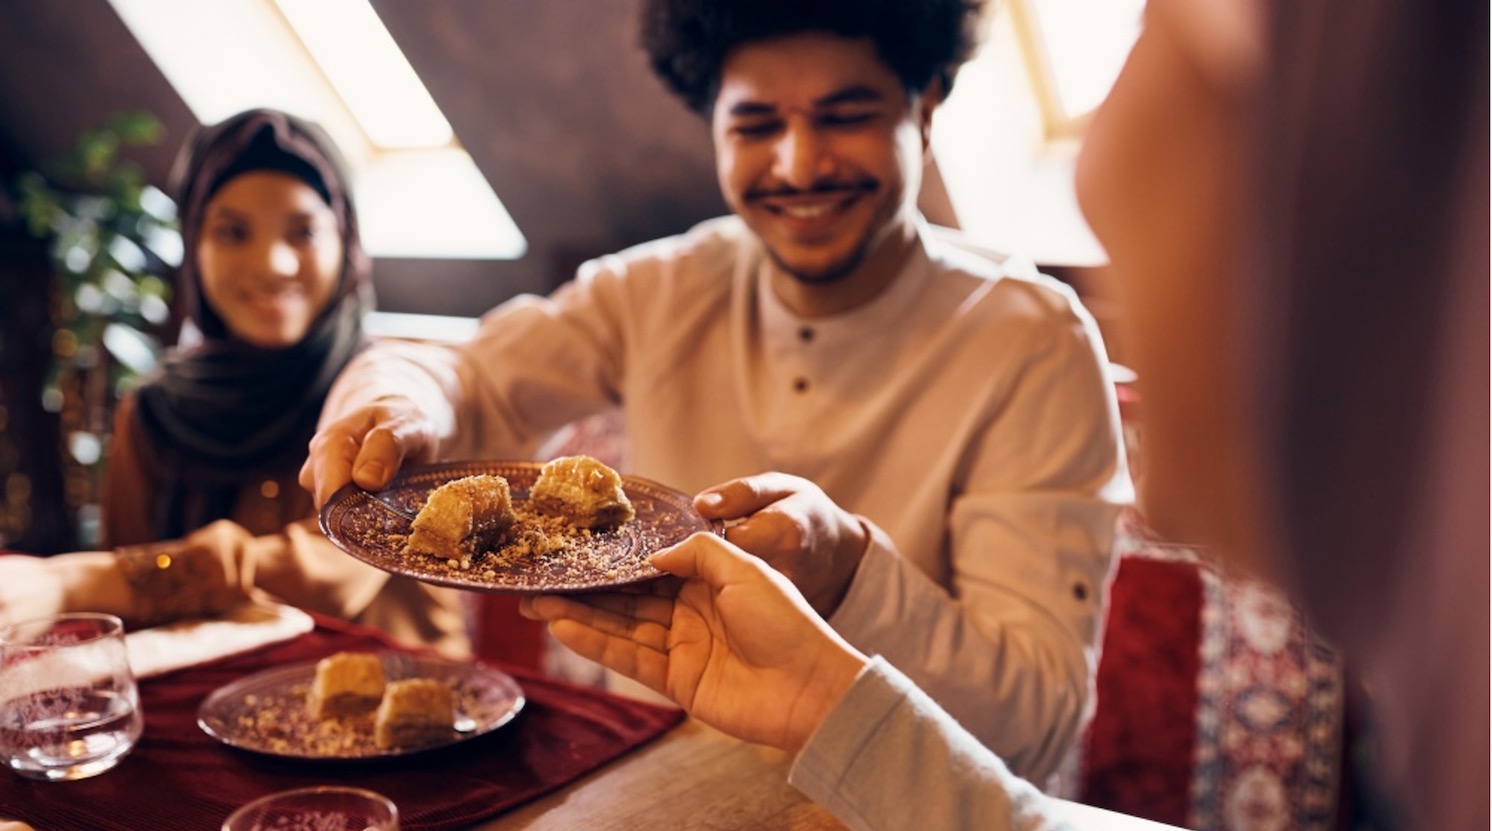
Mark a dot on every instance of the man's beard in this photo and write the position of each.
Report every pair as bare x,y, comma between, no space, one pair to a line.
827,275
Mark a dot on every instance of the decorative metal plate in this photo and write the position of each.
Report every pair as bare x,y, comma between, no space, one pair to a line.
267,712
374,527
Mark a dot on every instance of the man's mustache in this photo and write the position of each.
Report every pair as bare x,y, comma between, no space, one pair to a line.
818,189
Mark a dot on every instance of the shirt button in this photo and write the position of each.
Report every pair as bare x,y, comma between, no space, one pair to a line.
269,489
800,384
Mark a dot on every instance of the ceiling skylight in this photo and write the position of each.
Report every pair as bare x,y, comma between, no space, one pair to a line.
220,56
407,199
367,69
333,62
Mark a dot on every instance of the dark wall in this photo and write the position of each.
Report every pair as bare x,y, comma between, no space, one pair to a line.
556,105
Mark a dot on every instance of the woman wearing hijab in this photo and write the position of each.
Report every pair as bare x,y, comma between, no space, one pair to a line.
202,465
274,285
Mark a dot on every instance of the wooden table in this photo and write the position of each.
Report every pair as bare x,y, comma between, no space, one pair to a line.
697,777
692,777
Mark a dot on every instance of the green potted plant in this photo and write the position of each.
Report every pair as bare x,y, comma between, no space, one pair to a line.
112,239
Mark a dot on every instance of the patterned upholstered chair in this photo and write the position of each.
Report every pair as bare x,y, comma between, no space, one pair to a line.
1217,706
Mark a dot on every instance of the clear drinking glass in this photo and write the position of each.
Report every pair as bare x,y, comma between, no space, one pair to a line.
69,707
322,808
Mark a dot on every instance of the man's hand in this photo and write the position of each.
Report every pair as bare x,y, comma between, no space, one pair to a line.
367,446
795,527
737,646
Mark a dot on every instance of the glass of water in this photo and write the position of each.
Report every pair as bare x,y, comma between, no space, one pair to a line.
69,707
322,808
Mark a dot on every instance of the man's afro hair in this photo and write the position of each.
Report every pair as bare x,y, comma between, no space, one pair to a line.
687,41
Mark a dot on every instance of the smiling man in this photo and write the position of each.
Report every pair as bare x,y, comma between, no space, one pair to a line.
926,445
818,149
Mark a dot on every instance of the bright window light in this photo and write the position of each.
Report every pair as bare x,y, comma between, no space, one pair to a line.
1086,43
226,56
433,203
1010,181
440,328
369,71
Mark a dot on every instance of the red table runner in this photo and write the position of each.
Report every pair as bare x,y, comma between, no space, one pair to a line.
180,778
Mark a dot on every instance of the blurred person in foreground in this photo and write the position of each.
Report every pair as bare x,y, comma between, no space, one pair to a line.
1294,200
927,445
200,504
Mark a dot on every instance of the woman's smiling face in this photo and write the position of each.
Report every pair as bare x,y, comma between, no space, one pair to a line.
270,257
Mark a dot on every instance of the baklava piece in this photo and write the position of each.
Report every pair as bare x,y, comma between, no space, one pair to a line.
462,517
347,683
414,712
583,490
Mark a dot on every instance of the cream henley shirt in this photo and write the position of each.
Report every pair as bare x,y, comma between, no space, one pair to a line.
967,413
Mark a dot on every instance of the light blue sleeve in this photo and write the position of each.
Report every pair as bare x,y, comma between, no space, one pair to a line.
887,757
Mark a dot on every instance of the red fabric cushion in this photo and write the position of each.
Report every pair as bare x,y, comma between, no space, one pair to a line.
1138,750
